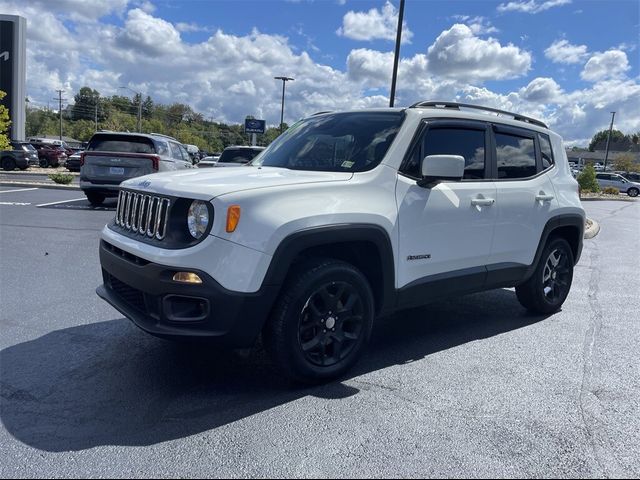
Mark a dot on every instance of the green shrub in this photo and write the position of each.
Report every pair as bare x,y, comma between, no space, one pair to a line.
587,180
611,191
63,178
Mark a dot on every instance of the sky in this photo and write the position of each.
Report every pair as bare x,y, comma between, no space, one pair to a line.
567,62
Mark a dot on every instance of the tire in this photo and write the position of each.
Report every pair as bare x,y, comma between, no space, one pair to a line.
8,164
322,321
44,163
95,199
548,287
633,192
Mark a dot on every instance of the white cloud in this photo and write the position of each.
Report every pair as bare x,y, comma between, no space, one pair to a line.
457,52
610,64
150,34
374,24
531,6
186,27
479,25
561,51
541,89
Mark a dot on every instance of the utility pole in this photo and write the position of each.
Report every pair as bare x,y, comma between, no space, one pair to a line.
284,82
60,110
139,112
96,116
606,152
397,55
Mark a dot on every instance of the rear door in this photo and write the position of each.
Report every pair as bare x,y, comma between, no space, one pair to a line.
113,158
525,194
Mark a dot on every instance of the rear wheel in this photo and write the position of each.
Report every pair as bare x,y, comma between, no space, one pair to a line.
95,199
322,321
8,164
633,192
548,287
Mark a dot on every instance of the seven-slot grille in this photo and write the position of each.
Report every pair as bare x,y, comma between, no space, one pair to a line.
143,214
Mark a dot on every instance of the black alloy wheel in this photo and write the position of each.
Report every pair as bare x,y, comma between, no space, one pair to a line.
556,276
548,287
321,322
331,323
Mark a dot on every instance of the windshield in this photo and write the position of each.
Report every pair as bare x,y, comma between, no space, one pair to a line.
340,142
238,155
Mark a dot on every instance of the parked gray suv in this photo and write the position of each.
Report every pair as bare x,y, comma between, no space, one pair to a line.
112,157
21,155
618,181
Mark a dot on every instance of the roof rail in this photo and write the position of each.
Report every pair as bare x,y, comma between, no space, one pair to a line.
320,113
163,135
457,106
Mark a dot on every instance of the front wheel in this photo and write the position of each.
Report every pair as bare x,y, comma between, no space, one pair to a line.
44,162
95,199
633,192
548,287
322,321
8,164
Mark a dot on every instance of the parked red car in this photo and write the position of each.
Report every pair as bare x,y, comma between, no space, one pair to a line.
50,155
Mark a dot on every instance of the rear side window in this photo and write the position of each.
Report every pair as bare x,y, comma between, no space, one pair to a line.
237,155
603,176
468,143
516,156
176,154
545,151
121,143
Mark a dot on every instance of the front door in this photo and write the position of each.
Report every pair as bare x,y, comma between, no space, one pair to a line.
447,229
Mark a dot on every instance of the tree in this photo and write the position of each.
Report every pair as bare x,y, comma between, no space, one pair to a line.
587,180
619,139
4,124
147,108
624,162
85,104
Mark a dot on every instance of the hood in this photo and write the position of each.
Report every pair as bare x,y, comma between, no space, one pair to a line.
208,183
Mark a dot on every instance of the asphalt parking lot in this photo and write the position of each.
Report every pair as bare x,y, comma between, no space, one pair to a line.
467,387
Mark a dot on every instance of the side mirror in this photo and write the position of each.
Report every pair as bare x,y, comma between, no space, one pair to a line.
441,167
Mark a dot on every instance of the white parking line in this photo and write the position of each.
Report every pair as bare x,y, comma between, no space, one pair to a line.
19,190
63,201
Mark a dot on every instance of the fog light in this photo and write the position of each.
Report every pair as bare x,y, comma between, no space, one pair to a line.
186,277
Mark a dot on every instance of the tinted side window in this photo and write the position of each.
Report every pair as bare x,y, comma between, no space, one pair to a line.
175,151
516,156
467,143
545,151
603,176
185,155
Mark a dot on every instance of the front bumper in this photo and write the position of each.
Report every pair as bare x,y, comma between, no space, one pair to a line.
146,294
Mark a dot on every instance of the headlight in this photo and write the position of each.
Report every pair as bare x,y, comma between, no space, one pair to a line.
198,218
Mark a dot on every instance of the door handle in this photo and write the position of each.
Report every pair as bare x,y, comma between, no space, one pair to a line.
482,202
542,197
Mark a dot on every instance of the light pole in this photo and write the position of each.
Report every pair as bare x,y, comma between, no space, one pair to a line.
396,57
284,82
139,106
606,153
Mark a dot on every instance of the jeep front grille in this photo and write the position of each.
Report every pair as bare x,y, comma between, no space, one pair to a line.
143,214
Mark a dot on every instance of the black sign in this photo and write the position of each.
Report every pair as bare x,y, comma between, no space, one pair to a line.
6,62
254,126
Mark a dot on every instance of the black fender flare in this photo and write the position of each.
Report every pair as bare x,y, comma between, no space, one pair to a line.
295,243
574,220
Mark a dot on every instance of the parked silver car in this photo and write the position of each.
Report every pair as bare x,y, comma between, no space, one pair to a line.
112,157
618,181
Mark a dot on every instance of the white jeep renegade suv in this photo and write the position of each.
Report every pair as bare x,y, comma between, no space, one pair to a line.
345,217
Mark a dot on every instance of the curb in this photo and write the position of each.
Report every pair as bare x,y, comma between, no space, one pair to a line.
611,199
52,186
592,231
